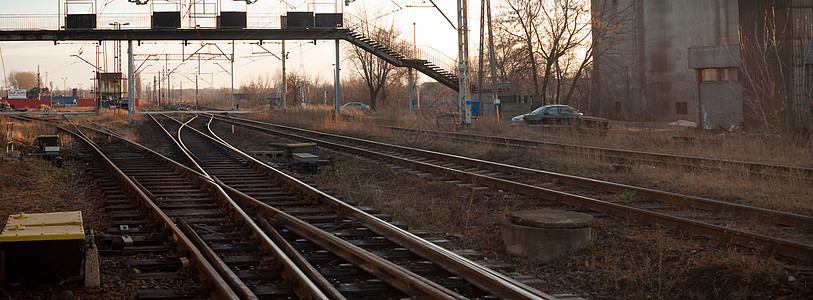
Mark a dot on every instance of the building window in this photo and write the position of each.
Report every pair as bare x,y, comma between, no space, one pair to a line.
707,75
728,74
719,74
681,108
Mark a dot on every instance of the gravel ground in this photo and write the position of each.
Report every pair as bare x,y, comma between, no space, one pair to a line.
624,260
33,185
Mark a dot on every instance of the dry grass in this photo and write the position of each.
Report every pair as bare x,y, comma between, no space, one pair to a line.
734,185
624,260
26,132
31,184
34,185
437,206
114,119
638,262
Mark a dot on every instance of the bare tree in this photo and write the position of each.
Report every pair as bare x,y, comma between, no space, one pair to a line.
565,28
296,87
561,35
354,89
257,89
606,28
512,59
524,15
776,71
373,70
22,80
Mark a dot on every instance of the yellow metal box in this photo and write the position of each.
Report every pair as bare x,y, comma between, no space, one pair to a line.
43,227
42,246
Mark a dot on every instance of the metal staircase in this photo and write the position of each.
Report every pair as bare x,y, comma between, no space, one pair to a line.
426,60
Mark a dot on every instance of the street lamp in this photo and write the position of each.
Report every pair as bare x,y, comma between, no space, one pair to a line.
414,40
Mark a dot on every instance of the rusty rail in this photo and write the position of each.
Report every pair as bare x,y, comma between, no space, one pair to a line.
306,288
404,280
222,289
482,277
653,157
738,237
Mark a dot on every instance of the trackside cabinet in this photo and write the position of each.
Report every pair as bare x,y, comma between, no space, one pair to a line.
42,246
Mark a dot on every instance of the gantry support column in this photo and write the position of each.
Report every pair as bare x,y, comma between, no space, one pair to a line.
284,79
336,83
130,78
463,61
411,87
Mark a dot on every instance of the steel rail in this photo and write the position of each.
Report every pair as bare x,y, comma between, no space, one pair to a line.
221,288
300,261
738,237
194,160
416,286
695,202
482,277
305,287
661,158
242,290
400,278
781,217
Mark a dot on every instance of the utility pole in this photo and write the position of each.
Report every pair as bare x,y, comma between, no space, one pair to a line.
338,90
493,60
39,89
96,94
232,75
464,93
411,88
130,80
411,82
3,62
196,84
480,53
284,77
166,74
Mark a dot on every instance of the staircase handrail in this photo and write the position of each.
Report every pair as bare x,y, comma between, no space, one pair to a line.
415,52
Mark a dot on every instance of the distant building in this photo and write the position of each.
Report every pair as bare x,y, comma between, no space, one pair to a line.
714,62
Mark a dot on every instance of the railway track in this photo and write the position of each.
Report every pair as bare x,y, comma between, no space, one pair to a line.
150,246
622,156
251,231
323,228
142,245
778,232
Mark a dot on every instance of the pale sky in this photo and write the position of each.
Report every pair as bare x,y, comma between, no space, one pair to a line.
316,60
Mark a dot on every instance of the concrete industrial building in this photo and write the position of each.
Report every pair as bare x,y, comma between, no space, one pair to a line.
714,62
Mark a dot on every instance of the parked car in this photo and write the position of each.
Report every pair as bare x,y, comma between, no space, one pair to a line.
558,115
356,105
